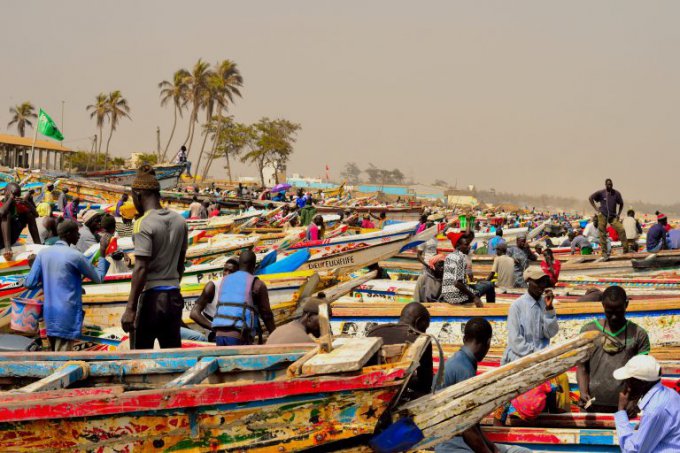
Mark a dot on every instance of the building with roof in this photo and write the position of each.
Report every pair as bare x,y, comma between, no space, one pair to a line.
16,152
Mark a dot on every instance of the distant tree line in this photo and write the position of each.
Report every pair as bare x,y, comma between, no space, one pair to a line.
374,175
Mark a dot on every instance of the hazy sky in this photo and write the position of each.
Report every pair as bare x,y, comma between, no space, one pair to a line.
522,96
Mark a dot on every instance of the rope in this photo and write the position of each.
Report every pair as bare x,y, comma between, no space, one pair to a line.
82,364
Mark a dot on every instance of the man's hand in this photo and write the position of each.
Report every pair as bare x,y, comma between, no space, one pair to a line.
624,398
31,259
478,302
583,400
127,321
549,297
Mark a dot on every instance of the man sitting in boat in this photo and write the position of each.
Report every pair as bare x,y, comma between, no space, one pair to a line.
299,330
316,229
522,255
205,307
15,215
656,236
455,290
242,299
503,268
429,285
532,320
59,270
581,243
413,321
623,340
460,367
659,428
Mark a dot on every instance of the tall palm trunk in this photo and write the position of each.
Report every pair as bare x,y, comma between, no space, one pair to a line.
106,156
193,119
98,150
172,132
200,155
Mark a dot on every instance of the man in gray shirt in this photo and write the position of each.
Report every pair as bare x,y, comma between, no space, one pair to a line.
154,308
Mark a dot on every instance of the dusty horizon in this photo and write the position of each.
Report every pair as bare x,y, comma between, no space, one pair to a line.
527,97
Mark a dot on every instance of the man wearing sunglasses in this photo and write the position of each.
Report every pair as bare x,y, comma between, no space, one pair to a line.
623,340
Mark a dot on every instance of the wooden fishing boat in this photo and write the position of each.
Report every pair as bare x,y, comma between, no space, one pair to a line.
167,175
257,398
357,254
659,317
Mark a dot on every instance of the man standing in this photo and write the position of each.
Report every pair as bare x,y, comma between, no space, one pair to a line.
609,213
299,330
242,297
460,367
496,241
154,307
659,429
15,215
532,320
121,202
522,254
624,340
59,270
454,287
182,158
62,201
195,208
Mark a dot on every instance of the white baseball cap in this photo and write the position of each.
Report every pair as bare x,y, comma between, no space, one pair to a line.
642,367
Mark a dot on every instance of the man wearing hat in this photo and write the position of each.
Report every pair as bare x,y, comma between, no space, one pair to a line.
299,330
89,232
154,307
659,429
532,320
59,269
656,236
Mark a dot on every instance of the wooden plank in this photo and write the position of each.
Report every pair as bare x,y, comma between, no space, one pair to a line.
196,374
350,356
40,369
335,292
214,351
60,379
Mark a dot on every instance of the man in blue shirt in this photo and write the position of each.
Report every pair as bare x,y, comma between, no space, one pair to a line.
496,241
659,429
60,269
656,236
532,320
461,366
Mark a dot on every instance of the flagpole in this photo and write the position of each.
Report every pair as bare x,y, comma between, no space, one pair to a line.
35,137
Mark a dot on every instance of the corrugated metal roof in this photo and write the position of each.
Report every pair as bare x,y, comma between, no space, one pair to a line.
28,141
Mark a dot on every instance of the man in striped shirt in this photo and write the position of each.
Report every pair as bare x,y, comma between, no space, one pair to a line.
659,429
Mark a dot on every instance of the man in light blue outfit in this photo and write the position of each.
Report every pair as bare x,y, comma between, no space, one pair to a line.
60,269
532,320
659,429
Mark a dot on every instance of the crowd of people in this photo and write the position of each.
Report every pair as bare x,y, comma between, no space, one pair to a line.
621,377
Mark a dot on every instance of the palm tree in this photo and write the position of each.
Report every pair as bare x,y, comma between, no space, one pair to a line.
175,91
118,108
100,111
226,83
22,115
197,86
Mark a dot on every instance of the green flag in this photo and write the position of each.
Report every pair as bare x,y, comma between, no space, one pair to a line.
47,127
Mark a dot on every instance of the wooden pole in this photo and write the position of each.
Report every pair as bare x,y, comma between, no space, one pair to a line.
35,137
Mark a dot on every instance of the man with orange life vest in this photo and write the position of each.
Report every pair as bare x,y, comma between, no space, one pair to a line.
242,300
15,215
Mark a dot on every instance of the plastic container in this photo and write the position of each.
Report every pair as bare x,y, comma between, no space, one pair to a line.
25,315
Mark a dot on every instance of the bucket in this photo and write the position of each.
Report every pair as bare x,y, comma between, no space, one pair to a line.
25,315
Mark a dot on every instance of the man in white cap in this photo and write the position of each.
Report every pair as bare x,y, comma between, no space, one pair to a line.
532,320
659,429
